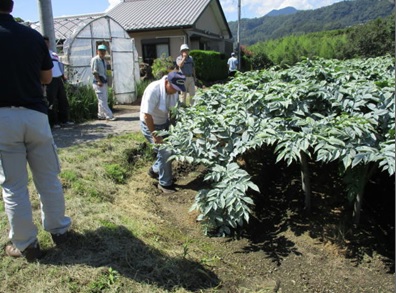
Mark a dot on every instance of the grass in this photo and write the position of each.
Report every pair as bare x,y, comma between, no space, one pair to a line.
129,238
118,243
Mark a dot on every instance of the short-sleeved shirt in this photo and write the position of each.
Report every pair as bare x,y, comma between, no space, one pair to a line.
188,66
232,64
98,65
151,102
23,55
57,70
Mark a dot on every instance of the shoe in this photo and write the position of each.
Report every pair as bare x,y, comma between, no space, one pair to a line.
167,189
101,118
31,253
111,119
56,126
59,239
152,174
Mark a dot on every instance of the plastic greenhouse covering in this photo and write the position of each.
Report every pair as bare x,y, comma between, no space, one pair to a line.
80,47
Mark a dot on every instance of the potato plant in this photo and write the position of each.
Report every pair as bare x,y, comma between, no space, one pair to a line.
322,110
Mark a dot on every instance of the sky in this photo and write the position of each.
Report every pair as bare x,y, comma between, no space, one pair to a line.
28,9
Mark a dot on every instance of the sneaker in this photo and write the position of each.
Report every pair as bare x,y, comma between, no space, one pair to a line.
59,239
31,253
167,189
101,118
111,119
152,174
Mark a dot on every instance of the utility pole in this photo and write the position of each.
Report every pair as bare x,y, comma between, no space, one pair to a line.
47,22
238,34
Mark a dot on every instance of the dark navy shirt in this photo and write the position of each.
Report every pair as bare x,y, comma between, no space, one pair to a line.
23,54
188,66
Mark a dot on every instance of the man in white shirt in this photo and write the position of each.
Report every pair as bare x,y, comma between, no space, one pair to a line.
232,65
158,99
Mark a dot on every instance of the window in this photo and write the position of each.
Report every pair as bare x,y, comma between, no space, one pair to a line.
153,49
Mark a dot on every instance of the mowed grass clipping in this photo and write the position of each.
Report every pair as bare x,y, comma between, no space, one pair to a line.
119,243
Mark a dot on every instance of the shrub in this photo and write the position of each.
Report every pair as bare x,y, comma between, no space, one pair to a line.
210,65
141,86
83,102
261,61
163,65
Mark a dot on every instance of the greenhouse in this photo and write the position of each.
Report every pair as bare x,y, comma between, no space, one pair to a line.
78,40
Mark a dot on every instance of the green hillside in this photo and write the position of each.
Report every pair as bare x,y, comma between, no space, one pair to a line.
337,16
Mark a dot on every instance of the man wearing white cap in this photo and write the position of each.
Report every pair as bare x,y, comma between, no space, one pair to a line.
186,66
99,71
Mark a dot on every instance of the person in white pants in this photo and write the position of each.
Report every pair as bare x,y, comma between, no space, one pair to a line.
99,69
26,138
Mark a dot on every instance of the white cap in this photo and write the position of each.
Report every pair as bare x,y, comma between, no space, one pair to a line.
184,47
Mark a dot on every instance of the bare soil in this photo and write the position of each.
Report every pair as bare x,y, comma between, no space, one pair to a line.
283,248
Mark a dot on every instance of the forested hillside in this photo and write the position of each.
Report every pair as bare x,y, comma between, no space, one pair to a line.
336,16
284,11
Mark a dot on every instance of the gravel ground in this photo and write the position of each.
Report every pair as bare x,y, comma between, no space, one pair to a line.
127,121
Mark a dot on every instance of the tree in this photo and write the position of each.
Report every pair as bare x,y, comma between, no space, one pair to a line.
376,38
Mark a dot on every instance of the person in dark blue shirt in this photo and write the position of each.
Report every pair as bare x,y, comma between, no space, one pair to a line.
186,66
26,138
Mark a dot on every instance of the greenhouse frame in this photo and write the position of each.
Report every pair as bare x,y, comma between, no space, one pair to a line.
78,41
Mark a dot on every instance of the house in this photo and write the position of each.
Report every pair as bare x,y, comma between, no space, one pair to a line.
161,26
138,31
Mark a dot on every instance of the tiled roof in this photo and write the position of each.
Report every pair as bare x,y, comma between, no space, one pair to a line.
157,14
135,15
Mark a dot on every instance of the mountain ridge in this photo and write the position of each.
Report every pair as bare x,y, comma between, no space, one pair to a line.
336,16
283,11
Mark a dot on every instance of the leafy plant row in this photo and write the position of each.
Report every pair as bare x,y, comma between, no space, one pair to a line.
322,110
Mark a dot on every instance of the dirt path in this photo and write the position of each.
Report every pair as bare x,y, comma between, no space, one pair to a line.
127,121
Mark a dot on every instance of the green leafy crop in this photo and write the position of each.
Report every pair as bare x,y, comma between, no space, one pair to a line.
327,110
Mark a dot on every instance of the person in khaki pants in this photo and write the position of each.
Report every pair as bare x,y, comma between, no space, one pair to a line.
186,66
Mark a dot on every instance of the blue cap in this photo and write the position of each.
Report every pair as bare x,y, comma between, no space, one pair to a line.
102,47
177,81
